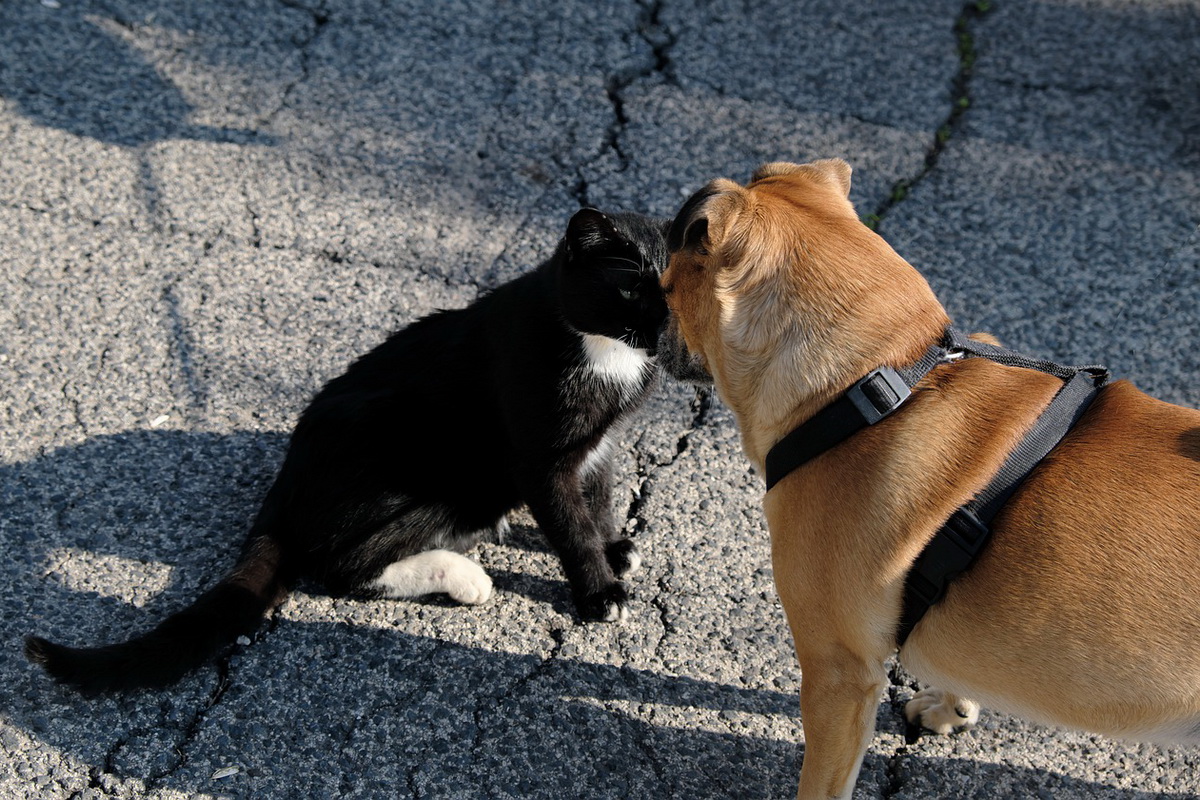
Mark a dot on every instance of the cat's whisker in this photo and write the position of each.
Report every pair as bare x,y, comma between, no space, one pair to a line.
641,266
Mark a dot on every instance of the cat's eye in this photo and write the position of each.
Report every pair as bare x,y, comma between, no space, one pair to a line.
630,294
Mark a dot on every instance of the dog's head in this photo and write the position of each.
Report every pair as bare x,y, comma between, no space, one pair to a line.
782,295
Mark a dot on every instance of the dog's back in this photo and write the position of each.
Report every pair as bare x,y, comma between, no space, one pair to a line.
1083,610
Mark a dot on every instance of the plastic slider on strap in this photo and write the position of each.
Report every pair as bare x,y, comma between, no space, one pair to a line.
878,394
948,554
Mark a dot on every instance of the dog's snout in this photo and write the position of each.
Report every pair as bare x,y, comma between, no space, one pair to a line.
679,362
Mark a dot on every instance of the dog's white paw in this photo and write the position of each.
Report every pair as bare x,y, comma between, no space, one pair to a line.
941,712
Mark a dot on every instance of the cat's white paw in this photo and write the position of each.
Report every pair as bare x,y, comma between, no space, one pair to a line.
606,605
435,571
623,557
634,559
616,612
941,712
468,583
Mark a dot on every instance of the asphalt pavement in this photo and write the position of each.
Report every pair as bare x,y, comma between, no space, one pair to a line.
207,209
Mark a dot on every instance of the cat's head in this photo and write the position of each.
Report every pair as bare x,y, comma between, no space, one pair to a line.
608,270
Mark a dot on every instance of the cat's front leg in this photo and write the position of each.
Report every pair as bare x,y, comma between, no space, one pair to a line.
562,511
620,551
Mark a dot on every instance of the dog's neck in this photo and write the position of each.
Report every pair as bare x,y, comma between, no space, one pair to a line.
790,388
781,407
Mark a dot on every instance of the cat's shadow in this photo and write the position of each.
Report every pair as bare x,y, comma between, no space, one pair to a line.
89,532
106,536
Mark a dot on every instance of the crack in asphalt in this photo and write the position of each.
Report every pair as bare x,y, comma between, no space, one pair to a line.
654,32
658,600
661,39
192,729
110,757
75,216
320,18
647,469
960,100
343,747
255,229
73,405
24,205
558,635
648,466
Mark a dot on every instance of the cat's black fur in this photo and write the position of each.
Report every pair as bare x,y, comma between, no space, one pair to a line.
429,440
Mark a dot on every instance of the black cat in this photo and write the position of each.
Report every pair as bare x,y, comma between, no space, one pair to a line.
428,441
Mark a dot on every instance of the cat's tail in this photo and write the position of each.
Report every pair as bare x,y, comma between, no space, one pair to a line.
183,641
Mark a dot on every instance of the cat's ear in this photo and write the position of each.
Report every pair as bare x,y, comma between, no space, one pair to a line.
590,230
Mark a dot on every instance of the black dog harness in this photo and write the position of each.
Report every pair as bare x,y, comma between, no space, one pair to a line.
955,546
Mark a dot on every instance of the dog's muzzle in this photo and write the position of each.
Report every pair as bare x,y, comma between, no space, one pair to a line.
679,362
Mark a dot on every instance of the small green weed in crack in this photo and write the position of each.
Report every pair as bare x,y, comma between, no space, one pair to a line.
960,102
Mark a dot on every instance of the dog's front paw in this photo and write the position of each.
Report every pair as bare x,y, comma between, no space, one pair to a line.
941,712
623,557
606,605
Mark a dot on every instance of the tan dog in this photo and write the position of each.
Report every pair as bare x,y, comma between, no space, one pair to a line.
1083,610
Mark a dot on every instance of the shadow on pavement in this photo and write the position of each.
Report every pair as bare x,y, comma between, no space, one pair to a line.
332,708
80,73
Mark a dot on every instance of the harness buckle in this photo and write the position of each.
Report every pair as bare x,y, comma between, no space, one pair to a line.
878,394
947,555
952,355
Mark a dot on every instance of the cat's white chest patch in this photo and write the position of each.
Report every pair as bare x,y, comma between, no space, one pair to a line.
614,359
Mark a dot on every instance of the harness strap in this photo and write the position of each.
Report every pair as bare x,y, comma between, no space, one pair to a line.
866,402
957,341
960,540
958,543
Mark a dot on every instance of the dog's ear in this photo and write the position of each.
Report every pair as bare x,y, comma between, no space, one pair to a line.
697,223
832,171
774,169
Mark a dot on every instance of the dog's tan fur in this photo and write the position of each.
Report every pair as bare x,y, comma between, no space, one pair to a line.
1083,611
